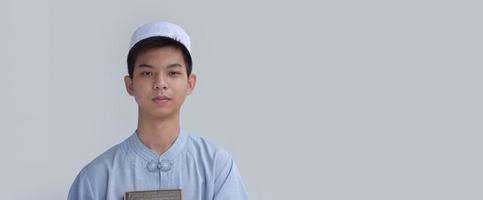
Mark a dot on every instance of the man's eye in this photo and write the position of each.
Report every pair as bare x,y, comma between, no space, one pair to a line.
146,73
174,73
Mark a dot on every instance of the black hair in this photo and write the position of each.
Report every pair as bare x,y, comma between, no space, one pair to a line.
153,43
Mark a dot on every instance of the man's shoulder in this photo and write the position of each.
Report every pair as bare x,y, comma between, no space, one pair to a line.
204,149
105,161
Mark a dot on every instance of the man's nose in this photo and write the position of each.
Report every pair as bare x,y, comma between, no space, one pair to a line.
160,82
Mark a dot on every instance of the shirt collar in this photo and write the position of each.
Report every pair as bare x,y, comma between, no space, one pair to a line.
148,155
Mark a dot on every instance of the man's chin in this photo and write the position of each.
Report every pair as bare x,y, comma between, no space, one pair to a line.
158,112
162,114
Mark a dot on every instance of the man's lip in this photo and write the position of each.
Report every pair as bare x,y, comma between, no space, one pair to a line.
159,98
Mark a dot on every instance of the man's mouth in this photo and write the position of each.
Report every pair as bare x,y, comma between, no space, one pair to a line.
160,99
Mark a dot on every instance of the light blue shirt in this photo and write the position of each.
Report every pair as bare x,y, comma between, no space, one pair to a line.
202,170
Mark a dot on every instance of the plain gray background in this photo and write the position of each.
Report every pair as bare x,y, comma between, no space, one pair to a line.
330,100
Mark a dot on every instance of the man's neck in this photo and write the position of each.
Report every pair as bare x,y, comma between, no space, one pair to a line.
158,134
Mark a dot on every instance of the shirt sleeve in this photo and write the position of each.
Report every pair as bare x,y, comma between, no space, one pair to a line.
81,189
228,183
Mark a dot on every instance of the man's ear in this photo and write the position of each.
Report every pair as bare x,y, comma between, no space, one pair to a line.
128,83
191,84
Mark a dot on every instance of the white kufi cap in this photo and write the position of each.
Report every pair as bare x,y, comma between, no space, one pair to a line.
165,29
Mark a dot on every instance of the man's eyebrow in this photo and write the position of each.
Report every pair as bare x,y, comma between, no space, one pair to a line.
169,66
146,65
174,65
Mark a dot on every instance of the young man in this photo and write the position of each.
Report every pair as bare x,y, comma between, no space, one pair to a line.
159,154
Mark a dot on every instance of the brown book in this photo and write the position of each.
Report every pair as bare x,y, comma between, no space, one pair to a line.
173,194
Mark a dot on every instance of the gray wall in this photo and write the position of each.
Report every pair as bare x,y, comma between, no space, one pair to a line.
314,99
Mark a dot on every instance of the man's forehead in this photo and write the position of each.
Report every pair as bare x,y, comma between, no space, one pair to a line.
160,57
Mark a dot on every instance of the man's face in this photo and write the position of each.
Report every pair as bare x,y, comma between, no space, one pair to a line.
160,82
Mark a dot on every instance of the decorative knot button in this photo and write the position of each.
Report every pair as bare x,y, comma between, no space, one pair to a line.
152,166
165,165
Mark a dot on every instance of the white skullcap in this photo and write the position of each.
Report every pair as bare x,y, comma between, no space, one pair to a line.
165,29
